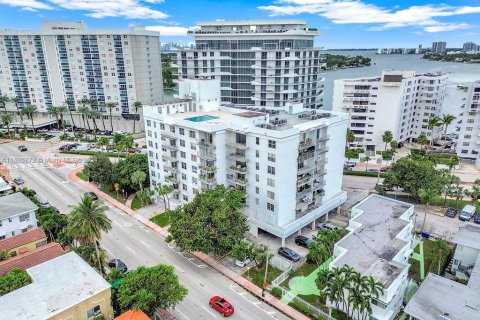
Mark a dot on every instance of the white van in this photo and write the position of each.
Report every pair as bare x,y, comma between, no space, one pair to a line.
467,213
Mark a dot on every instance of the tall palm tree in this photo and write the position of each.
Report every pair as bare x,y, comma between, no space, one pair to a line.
422,140
84,111
61,111
427,196
3,100
441,250
29,111
17,100
136,105
433,122
127,143
71,107
366,159
53,111
458,192
94,114
103,142
6,120
87,222
164,190
387,137
111,106
350,138
447,120
101,111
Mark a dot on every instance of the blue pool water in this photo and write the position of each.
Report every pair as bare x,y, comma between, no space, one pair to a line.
201,118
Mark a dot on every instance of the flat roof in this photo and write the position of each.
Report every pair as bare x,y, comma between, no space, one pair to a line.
372,246
468,235
57,285
14,204
246,22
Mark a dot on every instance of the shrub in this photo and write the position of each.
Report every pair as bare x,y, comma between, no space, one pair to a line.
362,173
276,292
387,155
168,238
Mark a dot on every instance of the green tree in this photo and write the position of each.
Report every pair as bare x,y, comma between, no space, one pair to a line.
387,137
6,119
4,100
427,196
124,169
317,253
138,178
242,250
103,142
261,254
70,104
163,190
13,280
110,106
167,71
350,137
450,181
94,114
458,192
474,193
94,257
62,110
52,222
432,123
441,250
366,159
87,222
53,111
29,111
394,145
114,275
136,106
99,168
422,140
16,101
447,120
84,111
212,223
148,288
102,106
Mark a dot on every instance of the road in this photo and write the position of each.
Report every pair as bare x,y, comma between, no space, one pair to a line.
136,244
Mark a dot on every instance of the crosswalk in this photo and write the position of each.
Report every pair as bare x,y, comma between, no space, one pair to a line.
28,166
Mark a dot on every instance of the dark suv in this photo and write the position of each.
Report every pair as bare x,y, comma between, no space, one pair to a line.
303,241
117,263
289,254
451,212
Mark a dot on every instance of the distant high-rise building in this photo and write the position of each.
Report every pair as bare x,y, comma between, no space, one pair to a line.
264,63
469,47
468,129
439,47
419,49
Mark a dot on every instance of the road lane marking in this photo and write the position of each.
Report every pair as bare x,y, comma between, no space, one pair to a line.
179,269
108,251
48,185
145,244
271,312
129,249
256,303
183,314
209,312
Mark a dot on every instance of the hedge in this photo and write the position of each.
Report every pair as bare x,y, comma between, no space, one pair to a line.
92,153
362,173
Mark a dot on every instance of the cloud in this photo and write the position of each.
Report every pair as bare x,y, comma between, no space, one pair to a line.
167,31
130,9
359,12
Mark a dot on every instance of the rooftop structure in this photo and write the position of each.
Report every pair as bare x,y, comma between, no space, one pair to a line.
378,244
5,188
17,215
14,205
58,289
32,258
23,239
133,315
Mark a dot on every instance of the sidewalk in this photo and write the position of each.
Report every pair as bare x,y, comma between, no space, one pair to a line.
248,285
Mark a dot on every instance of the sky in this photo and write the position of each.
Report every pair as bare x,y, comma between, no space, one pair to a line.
342,23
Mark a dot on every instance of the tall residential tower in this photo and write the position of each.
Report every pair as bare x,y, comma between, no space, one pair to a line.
266,63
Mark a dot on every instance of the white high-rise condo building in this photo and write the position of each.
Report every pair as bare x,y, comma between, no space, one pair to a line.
397,101
265,63
289,162
468,130
439,47
66,61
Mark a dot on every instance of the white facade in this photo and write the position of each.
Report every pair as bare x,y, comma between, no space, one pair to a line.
288,162
17,215
397,101
266,63
66,61
468,129
439,47
379,244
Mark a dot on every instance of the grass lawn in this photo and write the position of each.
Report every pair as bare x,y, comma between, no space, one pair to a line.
136,203
257,276
429,257
161,219
113,194
452,203
82,176
304,270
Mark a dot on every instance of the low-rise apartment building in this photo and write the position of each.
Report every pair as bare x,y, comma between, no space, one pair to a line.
397,101
62,288
289,162
468,128
439,298
17,215
24,242
379,244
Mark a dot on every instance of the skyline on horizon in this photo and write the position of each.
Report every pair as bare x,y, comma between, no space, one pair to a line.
398,24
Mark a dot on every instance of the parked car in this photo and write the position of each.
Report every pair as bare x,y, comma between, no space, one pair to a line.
117,263
224,307
21,146
54,130
374,170
91,195
242,264
385,169
327,226
22,149
349,164
19,181
289,254
69,129
467,213
42,130
451,212
303,241
477,218
44,203
400,144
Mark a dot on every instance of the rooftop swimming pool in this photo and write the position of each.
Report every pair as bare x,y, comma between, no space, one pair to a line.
201,118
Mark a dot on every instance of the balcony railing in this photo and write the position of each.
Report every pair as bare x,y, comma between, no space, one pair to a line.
168,146
207,179
208,168
305,144
170,169
237,145
305,156
238,156
168,134
237,180
239,169
303,179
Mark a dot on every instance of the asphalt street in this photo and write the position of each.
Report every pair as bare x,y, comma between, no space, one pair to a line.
132,242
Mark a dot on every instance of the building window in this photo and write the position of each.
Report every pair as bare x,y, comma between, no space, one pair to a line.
257,153
257,140
184,165
95,311
271,195
24,217
181,131
257,178
257,202
194,169
271,207
192,134
257,166
271,170
182,143
184,177
194,157
257,190
183,154
271,182
271,157
272,144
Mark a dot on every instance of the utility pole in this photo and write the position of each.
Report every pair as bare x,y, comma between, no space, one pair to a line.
264,284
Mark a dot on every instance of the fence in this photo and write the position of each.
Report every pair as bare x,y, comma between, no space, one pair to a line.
314,311
280,263
282,277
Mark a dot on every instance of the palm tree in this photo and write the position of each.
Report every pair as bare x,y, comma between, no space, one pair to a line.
53,111
441,250
84,111
447,120
102,109
387,137
427,196
17,100
139,177
29,111
103,142
458,192
87,222
94,114
422,140
111,106
127,143
366,159
6,119
433,122
451,179
350,137
61,111
164,190
3,100
71,106
136,105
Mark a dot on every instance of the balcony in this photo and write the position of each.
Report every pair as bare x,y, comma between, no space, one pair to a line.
168,134
208,179
305,144
170,169
209,169
169,157
237,145
303,179
239,181
304,191
171,178
304,169
169,146
238,156
238,169
305,156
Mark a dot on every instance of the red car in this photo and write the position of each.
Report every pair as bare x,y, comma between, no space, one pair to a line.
222,306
